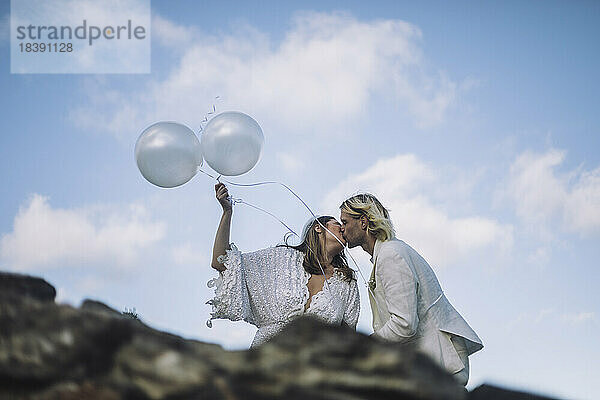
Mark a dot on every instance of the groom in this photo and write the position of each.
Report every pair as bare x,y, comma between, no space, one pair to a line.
407,301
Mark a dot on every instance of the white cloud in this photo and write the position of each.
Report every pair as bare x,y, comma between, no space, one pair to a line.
62,295
290,162
408,187
86,287
578,318
326,70
231,335
188,254
540,256
45,237
169,34
534,321
543,196
544,314
550,315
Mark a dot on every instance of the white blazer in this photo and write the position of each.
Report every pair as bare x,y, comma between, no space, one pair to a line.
409,305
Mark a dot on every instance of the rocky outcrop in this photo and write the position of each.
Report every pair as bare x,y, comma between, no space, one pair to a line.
17,285
50,351
489,392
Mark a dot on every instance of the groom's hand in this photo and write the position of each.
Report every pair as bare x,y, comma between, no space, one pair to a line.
223,197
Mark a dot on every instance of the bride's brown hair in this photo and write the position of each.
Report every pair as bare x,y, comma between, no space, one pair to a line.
314,251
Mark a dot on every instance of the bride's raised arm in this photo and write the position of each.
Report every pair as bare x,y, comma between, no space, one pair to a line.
222,235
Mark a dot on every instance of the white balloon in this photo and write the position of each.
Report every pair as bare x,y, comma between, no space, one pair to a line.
232,143
168,154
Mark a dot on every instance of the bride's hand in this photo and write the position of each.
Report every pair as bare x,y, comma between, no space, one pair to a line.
223,197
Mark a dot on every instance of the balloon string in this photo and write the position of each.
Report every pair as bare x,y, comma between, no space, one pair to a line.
205,119
311,212
207,174
274,183
236,200
314,216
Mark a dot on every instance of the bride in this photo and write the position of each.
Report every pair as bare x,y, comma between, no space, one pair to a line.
270,287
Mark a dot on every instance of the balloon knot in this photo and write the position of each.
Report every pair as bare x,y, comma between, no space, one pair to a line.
235,201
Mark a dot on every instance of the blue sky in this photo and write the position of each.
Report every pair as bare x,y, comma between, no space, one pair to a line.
476,123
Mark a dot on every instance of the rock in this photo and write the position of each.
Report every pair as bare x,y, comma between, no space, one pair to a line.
51,351
43,343
311,359
489,392
17,285
97,306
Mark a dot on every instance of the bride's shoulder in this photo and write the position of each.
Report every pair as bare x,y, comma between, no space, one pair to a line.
288,251
277,251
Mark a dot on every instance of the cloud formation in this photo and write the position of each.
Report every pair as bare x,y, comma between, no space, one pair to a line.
579,317
188,254
409,188
542,195
45,237
326,69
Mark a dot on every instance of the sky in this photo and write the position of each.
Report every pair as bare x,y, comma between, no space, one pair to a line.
475,123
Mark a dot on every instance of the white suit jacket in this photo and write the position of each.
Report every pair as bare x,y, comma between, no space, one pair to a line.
409,305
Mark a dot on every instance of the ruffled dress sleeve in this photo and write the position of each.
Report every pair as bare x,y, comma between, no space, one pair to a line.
262,287
231,299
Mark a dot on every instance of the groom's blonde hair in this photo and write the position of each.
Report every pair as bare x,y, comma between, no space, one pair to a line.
378,216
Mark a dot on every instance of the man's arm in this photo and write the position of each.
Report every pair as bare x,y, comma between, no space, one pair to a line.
400,292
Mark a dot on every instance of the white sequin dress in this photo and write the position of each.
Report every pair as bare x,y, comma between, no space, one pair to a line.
267,288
